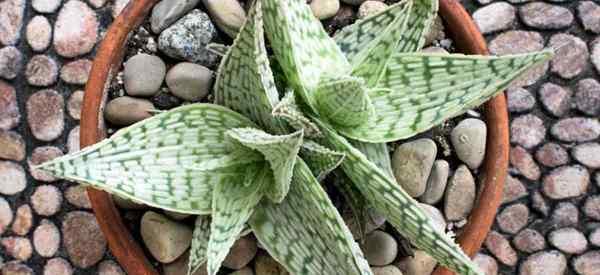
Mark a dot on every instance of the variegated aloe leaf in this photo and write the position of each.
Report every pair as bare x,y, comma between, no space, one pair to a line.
421,90
154,161
377,153
302,47
344,101
288,110
279,151
305,233
233,204
399,208
320,159
199,247
218,49
244,80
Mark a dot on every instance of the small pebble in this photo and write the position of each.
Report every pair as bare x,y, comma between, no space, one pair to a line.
180,267
371,7
591,208
12,146
568,240
587,98
565,214
9,109
83,239
76,72
436,183
73,140
487,264
75,30
460,194
524,163
566,182
46,200
12,178
576,129
386,270
109,267
46,239
501,248
587,264
527,131
77,195
45,6
17,247
23,220
519,100
419,264
6,216
539,203
45,114
16,268
39,33
165,239
241,253
469,140
515,42
229,16
435,215
190,81
41,71
587,154
412,163
74,104
545,16
166,12
589,13
594,237
126,110
143,75
545,262
513,218
266,265
11,61
513,190
118,7
58,266
552,155
570,60
529,241
556,99
596,54
494,17
11,20
379,248
39,156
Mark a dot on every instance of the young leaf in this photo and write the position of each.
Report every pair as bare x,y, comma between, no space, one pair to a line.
377,153
305,233
199,247
399,208
301,45
291,113
233,204
344,101
149,162
418,25
320,159
421,90
279,151
244,80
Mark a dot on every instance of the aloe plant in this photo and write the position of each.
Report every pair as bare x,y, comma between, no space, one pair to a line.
255,157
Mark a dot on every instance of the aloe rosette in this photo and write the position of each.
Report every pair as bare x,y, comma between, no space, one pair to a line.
255,158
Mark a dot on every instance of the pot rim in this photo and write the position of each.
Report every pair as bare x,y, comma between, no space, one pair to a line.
109,56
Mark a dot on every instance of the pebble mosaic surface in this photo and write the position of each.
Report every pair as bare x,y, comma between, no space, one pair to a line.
549,222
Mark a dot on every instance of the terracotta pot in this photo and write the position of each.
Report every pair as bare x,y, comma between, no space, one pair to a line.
110,54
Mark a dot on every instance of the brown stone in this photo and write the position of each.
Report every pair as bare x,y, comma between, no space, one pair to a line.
23,220
76,72
76,29
12,146
45,114
513,218
523,161
501,248
566,182
9,110
83,239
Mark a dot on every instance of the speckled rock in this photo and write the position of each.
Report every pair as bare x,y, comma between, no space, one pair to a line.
500,247
11,61
17,247
11,21
126,110
143,74
266,265
12,178
565,214
514,42
241,253
76,72
9,109
75,30
38,33
460,194
41,71
371,7
469,140
110,268
45,114
527,131
552,155
379,248
519,100
229,16
83,239
46,200
167,12
513,218
589,14
572,55
524,163
487,264
566,182
420,264
12,146
23,220
165,239
545,16
494,17
74,104
188,37
190,81
58,266
6,215
40,155
591,208
46,239
587,264
577,129
529,241
545,262
436,183
513,190
587,98
77,195
587,154
556,99
45,6
412,163
568,240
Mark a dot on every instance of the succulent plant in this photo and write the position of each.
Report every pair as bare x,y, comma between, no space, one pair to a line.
255,158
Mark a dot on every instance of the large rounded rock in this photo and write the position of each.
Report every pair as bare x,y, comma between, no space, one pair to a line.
572,55
12,13
266,265
12,146
143,74
39,33
545,16
513,218
228,15
188,37
435,215
529,241
469,139
189,81
546,262
83,239
501,248
45,114
494,17
516,42
241,253
412,163
556,99
588,263
527,130
165,239
568,240
75,30
524,163
11,61
419,264
552,155
587,98
12,178
566,182
460,194
126,110
576,129
46,239
436,183
166,12
588,154
380,248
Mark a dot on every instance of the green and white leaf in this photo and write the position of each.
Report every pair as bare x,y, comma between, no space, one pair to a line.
218,49
244,80
419,91
288,110
233,204
305,233
199,247
320,159
418,25
344,101
151,161
301,45
279,151
377,153
399,208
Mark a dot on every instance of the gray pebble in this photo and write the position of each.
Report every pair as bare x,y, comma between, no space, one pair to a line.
166,12
126,110
165,239
436,184
189,81
460,194
228,15
380,248
469,140
370,7
412,163
143,74
419,264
